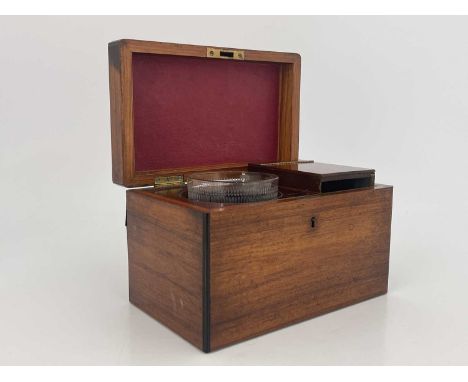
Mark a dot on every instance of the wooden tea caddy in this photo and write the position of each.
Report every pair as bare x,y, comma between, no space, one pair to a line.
219,274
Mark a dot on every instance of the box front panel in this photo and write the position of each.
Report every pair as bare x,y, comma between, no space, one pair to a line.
274,264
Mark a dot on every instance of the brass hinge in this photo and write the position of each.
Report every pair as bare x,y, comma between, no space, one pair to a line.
226,54
165,182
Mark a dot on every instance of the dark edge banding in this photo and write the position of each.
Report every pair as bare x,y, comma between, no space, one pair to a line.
206,284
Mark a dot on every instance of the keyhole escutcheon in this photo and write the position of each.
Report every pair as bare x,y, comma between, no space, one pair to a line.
313,221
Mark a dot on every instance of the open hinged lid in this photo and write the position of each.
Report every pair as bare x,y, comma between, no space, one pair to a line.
178,108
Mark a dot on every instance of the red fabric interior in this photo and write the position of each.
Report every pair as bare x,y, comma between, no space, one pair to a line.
196,111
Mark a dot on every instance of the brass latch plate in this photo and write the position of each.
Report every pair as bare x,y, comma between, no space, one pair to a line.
165,182
226,54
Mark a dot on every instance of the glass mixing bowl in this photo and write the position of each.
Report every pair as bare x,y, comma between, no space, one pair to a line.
232,186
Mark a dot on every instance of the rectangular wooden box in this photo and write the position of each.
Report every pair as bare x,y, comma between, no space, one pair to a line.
218,274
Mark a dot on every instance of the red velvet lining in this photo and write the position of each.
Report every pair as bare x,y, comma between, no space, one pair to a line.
196,111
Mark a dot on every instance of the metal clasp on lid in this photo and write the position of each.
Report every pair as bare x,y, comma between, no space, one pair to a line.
226,54
165,182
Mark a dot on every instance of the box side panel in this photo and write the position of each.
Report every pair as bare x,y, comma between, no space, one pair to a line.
275,264
165,256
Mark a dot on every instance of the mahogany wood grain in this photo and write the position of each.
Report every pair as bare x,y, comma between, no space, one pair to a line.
121,95
219,274
165,254
288,126
116,112
270,268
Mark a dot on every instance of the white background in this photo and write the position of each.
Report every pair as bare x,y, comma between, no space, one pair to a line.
384,92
